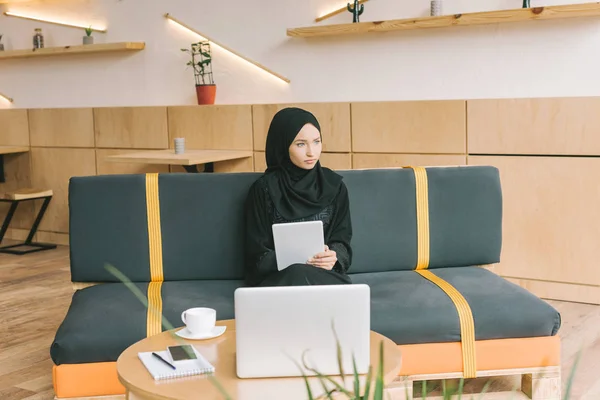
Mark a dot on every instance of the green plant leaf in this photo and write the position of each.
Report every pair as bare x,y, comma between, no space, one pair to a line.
310,395
327,391
356,377
572,376
445,393
309,392
461,386
485,389
220,387
368,383
320,375
338,352
378,394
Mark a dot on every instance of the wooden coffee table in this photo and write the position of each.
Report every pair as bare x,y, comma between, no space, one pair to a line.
221,353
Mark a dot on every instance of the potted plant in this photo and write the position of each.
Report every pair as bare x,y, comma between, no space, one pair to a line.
88,38
201,61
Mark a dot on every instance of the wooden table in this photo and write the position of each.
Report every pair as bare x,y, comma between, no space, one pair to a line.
9,150
189,160
221,353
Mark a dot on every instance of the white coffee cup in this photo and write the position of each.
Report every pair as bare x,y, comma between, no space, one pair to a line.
179,145
199,320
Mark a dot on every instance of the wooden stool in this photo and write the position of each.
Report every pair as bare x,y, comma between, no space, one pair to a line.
15,198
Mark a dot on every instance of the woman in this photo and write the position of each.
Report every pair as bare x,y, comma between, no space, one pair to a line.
295,187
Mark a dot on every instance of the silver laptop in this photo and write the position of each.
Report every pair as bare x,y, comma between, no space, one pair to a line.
276,325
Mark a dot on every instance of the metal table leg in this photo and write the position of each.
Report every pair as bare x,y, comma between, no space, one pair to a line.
2,177
208,167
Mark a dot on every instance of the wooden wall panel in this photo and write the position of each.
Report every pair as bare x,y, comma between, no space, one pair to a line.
551,218
335,161
409,127
14,128
260,164
366,160
334,119
131,127
534,126
57,127
52,168
104,167
17,172
212,127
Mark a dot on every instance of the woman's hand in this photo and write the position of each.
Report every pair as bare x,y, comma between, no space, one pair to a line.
325,260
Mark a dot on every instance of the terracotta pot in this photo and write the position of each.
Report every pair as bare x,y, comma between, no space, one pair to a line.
206,94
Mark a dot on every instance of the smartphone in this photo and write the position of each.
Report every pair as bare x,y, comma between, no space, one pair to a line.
181,353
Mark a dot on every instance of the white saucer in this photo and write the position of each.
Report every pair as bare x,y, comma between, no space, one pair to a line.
216,332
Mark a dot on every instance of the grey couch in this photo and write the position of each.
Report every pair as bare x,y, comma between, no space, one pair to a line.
201,225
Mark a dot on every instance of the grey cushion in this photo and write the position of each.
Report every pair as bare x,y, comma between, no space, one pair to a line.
201,226
410,309
107,224
104,320
465,218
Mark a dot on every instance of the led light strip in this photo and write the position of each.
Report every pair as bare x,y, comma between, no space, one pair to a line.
10,99
283,78
32,18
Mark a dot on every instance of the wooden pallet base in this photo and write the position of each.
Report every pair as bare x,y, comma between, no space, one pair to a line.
535,383
115,397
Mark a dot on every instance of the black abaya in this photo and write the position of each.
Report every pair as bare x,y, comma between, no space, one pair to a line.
287,193
261,264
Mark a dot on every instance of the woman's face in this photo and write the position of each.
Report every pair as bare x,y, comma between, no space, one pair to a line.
305,150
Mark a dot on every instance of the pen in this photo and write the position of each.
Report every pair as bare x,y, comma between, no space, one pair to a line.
163,360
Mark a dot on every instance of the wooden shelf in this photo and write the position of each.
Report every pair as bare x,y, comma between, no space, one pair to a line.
478,18
79,49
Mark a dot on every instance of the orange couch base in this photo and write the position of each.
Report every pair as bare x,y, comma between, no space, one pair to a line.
99,379
490,355
83,380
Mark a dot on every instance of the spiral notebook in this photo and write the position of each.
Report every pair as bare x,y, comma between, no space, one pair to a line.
160,370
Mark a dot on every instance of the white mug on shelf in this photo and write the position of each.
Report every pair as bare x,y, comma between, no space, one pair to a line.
436,7
179,145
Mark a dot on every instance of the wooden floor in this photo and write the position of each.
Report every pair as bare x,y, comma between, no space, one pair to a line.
35,293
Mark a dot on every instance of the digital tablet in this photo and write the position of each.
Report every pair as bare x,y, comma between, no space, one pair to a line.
296,242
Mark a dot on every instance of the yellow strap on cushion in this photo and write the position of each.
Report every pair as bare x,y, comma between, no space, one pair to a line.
467,325
154,233
154,317
422,193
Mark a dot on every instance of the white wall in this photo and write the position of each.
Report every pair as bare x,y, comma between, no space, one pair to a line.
541,59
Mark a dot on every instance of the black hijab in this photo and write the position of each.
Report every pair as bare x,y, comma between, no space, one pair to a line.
296,192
